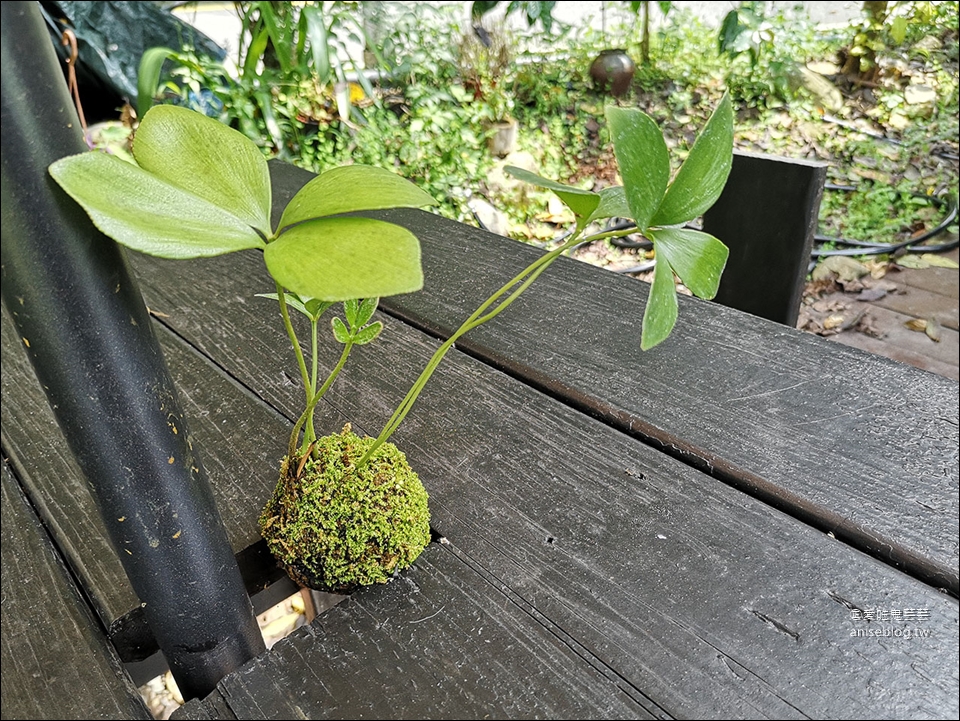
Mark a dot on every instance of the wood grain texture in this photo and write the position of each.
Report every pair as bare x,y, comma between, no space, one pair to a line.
438,642
705,599
57,661
860,446
239,438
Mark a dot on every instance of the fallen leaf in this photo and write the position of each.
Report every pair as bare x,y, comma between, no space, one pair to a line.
832,321
871,294
939,260
853,320
912,261
916,324
877,268
933,330
839,266
867,327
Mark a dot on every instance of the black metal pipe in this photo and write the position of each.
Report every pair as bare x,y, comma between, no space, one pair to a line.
89,337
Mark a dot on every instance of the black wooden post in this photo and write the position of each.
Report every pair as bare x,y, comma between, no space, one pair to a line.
89,337
767,216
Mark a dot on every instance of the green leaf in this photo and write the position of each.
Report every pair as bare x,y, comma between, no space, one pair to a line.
704,173
350,309
367,334
340,331
206,158
613,204
292,302
145,213
312,308
643,159
148,76
319,44
350,188
337,259
660,315
698,258
316,307
581,202
367,308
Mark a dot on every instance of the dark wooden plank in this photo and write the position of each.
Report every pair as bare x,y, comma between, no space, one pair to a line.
828,433
239,437
767,216
57,662
708,601
439,642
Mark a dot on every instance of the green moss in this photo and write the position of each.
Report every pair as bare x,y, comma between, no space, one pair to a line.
336,529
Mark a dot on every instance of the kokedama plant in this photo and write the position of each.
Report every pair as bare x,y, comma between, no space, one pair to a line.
348,511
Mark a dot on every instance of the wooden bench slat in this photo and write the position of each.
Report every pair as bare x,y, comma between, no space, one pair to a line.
734,608
245,438
57,662
436,643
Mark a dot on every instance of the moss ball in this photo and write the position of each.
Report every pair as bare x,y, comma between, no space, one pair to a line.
334,528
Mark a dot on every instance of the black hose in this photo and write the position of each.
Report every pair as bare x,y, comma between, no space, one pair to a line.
862,247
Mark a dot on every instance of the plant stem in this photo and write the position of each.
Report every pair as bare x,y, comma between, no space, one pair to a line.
307,415
285,312
309,434
519,284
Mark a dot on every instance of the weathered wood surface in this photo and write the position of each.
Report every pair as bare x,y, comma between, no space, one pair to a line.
245,439
856,445
694,598
56,660
767,216
439,642
705,599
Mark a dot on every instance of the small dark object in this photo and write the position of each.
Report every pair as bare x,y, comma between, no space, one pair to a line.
615,69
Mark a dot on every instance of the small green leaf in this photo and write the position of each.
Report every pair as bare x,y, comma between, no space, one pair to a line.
613,204
206,158
698,258
703,174
368,333
350,188
581,202
340,331
660,315
643,159
316,308
337,259
351,309
292,302
148,76
367,308
148,214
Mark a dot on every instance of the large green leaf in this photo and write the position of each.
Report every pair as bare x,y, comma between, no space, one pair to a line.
643,159
350,188
207,159
660,315
581,202
337,259
704,173
613,204
148,214
698,258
